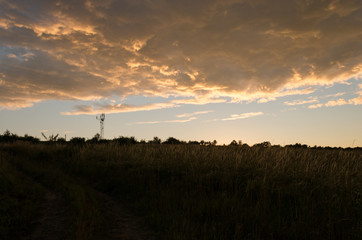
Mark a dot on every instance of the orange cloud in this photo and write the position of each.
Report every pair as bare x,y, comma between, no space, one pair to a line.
168,121
181,120
205,52
116,108
300,102
192,114
264,97
357,100
242,116
316,106
338,102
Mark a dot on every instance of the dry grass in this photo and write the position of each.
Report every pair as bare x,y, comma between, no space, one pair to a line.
213,192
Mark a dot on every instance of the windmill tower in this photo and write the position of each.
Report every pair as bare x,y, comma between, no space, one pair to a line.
101,121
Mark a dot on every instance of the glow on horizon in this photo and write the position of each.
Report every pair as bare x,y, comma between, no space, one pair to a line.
208,70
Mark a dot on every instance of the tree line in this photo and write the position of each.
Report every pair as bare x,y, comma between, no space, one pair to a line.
8,137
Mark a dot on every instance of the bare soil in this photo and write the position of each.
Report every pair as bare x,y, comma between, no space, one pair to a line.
52,220
122,224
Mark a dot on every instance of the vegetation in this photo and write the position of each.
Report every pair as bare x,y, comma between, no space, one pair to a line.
190,191
17,193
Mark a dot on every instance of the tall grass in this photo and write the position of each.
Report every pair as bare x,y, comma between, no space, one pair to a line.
35,162
18,193
215,192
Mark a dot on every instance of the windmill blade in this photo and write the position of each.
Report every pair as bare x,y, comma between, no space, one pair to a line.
44,136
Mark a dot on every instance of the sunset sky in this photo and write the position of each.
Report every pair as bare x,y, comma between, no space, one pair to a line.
284,71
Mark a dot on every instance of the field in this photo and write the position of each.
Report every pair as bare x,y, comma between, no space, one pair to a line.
179,191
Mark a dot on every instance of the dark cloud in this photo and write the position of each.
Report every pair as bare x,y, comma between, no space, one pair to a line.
88,49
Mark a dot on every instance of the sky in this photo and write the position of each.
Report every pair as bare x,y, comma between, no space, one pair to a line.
284,71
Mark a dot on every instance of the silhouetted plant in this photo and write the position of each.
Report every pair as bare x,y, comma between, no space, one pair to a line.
28,138
172,140
77,140
194,143
11,137
50,138
8,137
155,140
61,140
125,140
297,145
95,139
263,144
233,143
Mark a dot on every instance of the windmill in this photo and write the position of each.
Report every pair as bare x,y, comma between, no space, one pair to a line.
101,121
51,138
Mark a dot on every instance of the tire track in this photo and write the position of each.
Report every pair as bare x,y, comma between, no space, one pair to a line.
53,218
121,223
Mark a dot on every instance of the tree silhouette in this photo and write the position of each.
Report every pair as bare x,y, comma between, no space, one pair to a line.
233,143
155,140
172,140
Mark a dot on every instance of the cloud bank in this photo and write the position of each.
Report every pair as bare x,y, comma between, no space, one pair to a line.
204,50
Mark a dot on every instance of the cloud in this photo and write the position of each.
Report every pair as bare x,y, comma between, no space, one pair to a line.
316,106
338,102
272,96
357,100
150,122
300,102
116,108
245,50
181,120
334,95
192,114
200,100
168,121
113,107
242,116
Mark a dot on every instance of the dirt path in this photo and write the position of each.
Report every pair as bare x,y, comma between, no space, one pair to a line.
122,224
52,219
54,216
